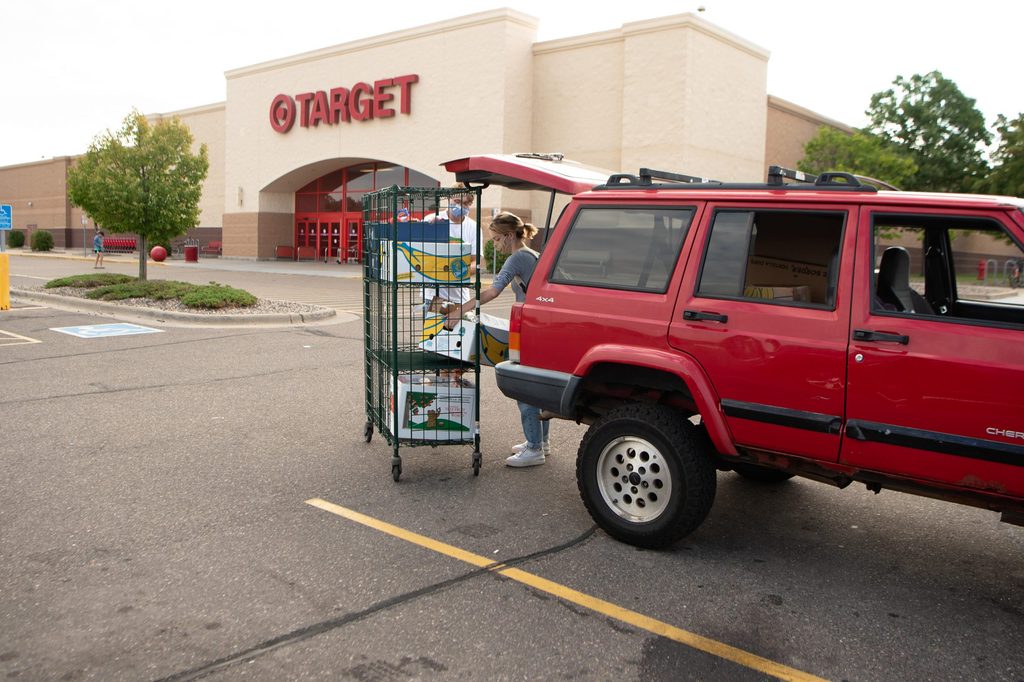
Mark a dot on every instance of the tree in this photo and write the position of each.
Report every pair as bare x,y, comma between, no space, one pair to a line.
940,127
1007,177
860,153
143,179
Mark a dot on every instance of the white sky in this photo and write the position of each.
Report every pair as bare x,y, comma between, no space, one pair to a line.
72,69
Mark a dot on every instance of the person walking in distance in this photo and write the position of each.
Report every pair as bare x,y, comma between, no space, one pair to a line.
97,247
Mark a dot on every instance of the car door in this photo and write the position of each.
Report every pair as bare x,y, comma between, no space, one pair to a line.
766,316
936,381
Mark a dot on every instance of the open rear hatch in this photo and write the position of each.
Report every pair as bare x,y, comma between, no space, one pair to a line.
544,172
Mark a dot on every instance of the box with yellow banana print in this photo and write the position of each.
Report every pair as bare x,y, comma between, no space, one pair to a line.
463,342
432,262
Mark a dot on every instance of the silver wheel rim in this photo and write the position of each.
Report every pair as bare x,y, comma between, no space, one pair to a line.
634,479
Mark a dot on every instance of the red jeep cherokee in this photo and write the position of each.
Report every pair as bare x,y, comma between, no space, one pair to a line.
819,328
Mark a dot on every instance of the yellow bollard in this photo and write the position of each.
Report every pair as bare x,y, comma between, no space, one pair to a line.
5,282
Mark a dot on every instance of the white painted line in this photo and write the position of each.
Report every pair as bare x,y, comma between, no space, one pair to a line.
15,339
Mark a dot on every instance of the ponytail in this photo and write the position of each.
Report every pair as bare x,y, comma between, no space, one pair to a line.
506,223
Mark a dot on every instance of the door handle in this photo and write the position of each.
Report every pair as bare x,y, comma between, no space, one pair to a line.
711,317
868,335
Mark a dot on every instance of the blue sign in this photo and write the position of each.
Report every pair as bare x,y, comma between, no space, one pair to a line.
96,331
6,217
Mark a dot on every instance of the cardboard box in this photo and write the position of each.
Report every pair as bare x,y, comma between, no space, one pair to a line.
493,340
435,262
416,231
433,409
462,342
800,294
776,272
458,343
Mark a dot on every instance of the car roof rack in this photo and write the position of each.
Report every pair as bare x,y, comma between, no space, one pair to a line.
777,175
647,176
552,156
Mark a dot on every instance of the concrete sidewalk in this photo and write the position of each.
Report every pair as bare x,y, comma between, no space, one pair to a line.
272,267
277,267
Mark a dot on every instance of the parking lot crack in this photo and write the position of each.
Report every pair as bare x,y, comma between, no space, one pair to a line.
309,631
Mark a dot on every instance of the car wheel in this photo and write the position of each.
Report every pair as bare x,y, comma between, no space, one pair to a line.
761,474
646,475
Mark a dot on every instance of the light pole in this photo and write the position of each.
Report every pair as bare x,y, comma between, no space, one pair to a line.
85,246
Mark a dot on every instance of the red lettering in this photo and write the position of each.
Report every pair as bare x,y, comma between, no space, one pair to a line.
403,83
319,110
339,105
282,113
304,99
380,98
358,106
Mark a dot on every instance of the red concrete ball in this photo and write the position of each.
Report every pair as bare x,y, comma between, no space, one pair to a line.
158,253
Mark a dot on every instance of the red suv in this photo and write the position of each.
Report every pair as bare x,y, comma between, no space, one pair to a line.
807,326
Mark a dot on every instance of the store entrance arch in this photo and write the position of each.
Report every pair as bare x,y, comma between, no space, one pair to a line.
329,210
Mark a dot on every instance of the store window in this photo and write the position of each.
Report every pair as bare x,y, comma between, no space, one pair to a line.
359,178
342,191
329,210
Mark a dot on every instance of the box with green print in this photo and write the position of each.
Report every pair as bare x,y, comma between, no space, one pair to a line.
432,408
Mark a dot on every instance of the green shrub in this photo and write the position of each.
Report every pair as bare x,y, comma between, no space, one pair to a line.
157,290
42,241
217,296
89,281
16,239
111,287
489,257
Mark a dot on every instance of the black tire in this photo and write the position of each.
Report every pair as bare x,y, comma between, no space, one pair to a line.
646,474
368,431
761,474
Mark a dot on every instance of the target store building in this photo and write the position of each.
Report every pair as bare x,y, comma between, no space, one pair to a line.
299,141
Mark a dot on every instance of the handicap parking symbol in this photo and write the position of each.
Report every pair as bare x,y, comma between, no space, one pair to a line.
96,331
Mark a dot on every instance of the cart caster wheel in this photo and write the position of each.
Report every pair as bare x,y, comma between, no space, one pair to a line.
396,472
477,459
368,431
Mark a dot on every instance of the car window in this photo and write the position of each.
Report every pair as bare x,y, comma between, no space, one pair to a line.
623,248
961,269
778,257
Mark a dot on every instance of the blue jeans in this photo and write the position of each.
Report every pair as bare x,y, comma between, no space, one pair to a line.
535,430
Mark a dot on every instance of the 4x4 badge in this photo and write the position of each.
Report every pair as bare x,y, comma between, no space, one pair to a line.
542,299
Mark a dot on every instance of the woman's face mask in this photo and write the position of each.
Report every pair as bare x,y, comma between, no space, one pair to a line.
457,210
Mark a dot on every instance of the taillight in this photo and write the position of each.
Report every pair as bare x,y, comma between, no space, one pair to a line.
515,325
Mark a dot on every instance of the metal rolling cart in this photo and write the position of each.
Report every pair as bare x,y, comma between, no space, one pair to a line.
421,381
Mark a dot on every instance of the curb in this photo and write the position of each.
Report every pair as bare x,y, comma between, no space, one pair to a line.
84,304
65,255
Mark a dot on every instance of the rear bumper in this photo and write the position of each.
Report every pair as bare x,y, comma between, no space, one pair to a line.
543,388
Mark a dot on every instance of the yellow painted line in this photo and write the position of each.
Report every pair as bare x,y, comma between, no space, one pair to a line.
403,534
17,339
638,620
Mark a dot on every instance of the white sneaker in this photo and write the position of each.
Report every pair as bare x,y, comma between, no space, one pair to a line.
525,458
545,447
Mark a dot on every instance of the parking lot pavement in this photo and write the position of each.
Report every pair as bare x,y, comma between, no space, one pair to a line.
157,523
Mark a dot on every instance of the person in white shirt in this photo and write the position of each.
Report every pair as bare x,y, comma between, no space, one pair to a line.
461,228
